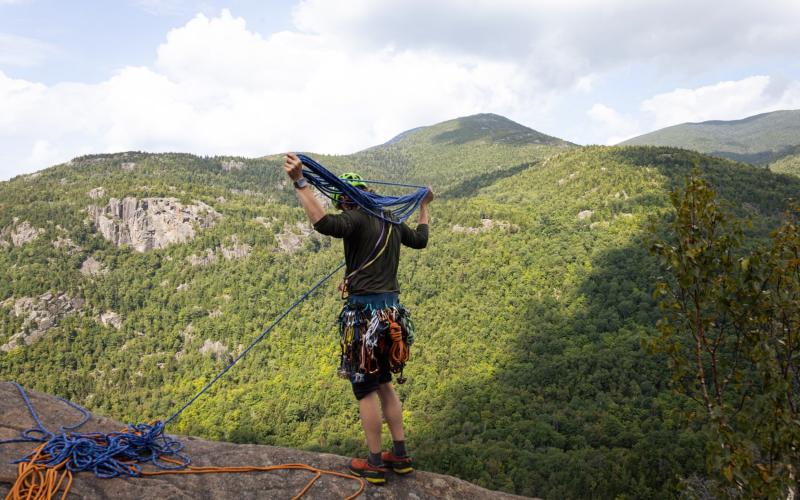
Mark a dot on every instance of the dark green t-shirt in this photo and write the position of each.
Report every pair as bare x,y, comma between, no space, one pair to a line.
361,232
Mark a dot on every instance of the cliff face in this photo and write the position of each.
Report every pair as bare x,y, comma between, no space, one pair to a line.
149,223
39,315
279,484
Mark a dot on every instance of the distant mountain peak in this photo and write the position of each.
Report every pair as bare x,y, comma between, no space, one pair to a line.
485,127
756,139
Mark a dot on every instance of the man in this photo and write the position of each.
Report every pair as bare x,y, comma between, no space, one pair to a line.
375,329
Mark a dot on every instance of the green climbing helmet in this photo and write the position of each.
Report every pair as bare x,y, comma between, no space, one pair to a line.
354,179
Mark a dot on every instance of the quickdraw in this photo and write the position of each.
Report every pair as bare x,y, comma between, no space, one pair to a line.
367,333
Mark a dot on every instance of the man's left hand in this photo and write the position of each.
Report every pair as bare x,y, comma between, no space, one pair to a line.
293,166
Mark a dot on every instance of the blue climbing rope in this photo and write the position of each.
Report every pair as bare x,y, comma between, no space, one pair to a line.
107,455
256,341
401,207
30,435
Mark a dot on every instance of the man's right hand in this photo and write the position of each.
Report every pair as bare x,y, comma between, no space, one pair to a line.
428,196
293,166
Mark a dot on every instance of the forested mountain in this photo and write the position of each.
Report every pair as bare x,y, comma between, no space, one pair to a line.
531,302
452,153
789,164
757,139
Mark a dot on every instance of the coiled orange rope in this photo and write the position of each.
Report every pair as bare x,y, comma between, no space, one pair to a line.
38,482
399,351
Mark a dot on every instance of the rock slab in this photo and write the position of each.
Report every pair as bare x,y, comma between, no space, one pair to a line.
279,484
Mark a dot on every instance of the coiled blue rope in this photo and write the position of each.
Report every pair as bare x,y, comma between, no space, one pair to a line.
107,455
401,207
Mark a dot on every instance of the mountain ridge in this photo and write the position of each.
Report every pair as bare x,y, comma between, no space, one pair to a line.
757,139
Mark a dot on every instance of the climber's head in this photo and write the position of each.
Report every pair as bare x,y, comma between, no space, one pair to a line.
342,201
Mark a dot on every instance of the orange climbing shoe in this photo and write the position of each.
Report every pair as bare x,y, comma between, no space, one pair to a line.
361,468
400,465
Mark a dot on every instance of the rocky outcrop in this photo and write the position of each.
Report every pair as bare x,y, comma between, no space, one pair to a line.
92,267
215,348
19,233
292,238
236,250
486,225
278,485
231,251
66,244
585,214
228,165
96,193
202,260
110,318
40,315
149,223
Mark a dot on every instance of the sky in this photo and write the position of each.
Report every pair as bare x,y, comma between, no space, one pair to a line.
250,78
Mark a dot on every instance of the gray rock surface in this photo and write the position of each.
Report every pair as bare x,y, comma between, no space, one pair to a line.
19,233
229,165
110,318
236,250
66,244
40,315
149,223
292,238
92,267
486,225
277,485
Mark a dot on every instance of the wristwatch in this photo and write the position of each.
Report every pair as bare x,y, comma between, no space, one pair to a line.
300,183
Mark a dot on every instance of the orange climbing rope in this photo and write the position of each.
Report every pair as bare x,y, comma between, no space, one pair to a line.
194,469
399,349
36,481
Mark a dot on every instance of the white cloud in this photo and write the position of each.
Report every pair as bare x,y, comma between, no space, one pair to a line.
727,100
218,88
614,126
564,40
355,72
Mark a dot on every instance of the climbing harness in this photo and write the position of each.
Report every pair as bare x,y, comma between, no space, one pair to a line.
400,207
367,333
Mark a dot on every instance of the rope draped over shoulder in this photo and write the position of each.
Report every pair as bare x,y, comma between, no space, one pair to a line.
329,184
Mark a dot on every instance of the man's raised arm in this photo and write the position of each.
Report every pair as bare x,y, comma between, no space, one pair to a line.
294,169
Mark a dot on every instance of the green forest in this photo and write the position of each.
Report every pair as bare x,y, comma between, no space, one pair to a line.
535,305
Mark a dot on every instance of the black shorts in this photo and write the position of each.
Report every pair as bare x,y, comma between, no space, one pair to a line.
373,380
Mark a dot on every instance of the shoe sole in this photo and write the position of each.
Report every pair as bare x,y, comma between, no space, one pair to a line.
373,480
403,470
